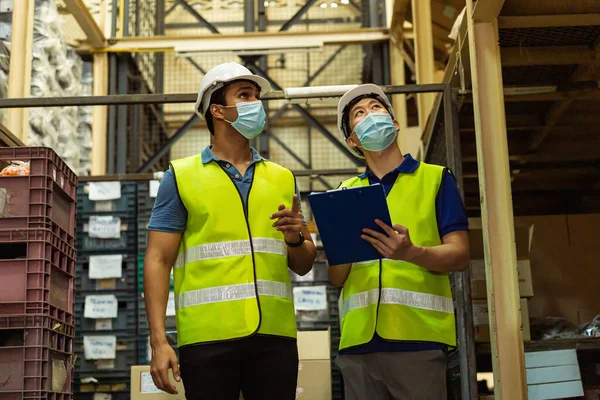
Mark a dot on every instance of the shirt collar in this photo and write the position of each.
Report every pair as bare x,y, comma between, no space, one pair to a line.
407,166
208,156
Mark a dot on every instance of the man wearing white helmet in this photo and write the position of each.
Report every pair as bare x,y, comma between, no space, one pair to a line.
230,224
397,313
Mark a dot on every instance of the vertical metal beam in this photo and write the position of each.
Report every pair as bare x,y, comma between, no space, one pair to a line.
462,280
168,144
125,18
135,135
421,16
249,21
199,17
496,210
122,88
159,29
19,78
298,15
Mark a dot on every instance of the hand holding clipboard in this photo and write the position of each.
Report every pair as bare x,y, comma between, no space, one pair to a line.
341,216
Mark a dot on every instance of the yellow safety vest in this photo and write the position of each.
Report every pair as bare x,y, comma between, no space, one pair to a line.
400,300
231,277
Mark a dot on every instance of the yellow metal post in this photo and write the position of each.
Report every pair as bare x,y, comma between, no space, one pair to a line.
424,61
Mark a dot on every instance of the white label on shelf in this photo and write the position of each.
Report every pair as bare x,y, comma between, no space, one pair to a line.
102,396
154,188
148,386
104,205
104,191
99,347
104,324
171,305
101,306
310,298
102,267
105,364
104,227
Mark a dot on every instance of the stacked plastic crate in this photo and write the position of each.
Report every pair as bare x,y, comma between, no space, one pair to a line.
146,196
106,284
37,266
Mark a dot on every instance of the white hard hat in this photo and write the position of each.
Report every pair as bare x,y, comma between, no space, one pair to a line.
218,76
359,91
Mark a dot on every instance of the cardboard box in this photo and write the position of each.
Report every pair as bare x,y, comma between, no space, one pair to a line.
481,321
523,236
479,283
553,374
143,388
314,372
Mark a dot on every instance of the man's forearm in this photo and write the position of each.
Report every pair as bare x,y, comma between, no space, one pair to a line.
301,258
156,295
448,257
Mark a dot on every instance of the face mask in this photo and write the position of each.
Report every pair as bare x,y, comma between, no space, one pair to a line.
376,131
251,118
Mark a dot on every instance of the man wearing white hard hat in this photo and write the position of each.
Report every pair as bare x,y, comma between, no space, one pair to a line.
397,311
230,225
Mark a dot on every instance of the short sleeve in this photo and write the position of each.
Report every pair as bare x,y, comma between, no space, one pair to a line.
169,213
450,210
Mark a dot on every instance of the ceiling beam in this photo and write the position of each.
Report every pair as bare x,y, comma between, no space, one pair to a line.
244,41
487,10
544,21
547,55
86,22
557,110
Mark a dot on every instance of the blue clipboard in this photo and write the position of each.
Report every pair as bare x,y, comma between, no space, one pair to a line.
342,214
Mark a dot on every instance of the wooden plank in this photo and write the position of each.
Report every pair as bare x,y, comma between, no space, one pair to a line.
86,22
487,10
424,60
397,76
99,115
496,205
544,21
7,138
19,79
547,55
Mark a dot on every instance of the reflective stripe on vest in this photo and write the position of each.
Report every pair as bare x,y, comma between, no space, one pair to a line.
401,297
229,249
232,293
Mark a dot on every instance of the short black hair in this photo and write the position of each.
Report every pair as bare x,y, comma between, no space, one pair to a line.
218,97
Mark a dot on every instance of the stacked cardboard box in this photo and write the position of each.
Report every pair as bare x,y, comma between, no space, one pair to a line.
523,234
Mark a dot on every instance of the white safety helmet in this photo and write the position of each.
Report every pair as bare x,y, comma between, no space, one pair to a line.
218,76
359,91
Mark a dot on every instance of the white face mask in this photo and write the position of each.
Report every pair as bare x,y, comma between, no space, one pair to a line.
251,118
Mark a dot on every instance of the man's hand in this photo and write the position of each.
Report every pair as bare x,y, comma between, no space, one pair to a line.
289,221
163,359
394,244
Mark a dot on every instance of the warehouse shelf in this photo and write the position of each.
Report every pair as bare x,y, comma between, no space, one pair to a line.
127,282
591,344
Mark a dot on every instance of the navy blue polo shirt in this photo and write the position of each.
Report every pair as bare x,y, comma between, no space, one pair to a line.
169,213
451,216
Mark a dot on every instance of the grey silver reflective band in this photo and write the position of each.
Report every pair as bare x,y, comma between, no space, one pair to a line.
242,291
232,248
423,301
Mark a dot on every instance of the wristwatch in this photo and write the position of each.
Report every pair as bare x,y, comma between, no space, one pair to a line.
298,243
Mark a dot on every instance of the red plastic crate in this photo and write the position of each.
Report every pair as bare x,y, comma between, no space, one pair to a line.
37,244
19,223
36,358
37,196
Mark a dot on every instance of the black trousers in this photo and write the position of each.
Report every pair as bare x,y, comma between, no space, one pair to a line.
261,367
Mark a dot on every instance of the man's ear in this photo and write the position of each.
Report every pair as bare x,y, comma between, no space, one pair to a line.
352,142
217,112
397,125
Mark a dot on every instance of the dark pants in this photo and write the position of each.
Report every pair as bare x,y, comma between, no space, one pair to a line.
416,375
261,367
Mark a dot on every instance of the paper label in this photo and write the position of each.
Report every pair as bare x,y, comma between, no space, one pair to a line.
104,324
101,306
104,191
148,386
104,227
104,205
171,305
99,347
310,298
102,267
102,396
154,188
105,364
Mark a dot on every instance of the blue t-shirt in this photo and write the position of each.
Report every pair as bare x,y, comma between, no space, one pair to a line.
451,216
169,213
